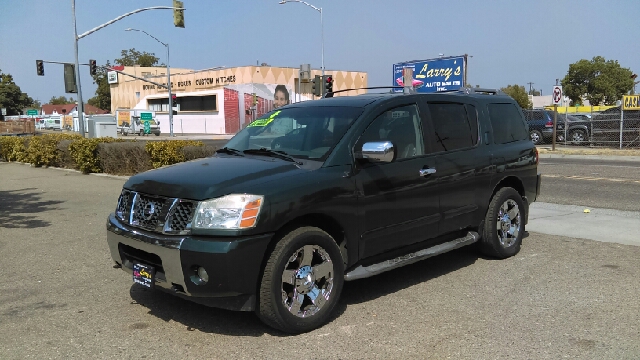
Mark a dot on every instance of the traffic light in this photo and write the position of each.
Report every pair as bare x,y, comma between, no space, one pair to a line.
40,67
174,102
92,67
178,15
328,84
317,85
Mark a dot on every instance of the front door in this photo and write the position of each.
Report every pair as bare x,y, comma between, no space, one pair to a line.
400,205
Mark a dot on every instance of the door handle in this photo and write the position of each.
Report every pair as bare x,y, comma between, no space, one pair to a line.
427,171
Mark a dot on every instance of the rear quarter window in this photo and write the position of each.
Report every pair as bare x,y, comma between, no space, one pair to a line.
507,123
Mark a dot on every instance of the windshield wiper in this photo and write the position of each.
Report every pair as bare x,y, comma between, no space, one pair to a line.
273,153
229,151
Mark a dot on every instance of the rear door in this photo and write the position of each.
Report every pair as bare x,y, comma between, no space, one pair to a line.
462,164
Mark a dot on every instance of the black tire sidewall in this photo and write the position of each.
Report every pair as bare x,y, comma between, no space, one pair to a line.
288,245
491,243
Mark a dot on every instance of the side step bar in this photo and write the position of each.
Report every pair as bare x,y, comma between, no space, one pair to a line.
362,272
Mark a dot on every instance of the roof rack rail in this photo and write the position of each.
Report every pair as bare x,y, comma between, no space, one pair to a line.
482,91
330,94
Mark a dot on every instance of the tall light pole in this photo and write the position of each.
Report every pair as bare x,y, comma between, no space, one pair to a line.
168,79
282,2
80,106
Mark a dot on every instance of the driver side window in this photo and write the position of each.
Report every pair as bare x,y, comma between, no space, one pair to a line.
401,126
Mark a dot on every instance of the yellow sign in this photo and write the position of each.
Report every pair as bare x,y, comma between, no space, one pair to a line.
265,121
124,116
631,102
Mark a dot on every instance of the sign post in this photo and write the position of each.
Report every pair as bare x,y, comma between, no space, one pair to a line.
629,102
557,98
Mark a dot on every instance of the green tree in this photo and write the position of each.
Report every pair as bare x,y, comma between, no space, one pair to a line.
600,81
102,99
61,100
11,97
133,57
519,94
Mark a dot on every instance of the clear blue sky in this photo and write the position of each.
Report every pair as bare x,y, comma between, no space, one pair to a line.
511,41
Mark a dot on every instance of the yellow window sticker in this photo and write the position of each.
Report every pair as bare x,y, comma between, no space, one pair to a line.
265,121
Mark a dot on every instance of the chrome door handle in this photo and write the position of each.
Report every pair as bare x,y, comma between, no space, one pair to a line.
428,171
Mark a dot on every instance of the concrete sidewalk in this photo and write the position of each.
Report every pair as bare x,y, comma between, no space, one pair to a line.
605,225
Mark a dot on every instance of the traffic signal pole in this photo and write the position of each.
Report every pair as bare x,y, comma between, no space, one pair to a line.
77,37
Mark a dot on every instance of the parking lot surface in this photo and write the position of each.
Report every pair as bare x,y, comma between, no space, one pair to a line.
60,297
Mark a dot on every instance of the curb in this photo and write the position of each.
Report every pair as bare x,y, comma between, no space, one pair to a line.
119,177
590,157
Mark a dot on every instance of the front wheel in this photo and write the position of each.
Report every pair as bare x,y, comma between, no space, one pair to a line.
301,282
536,137
503,224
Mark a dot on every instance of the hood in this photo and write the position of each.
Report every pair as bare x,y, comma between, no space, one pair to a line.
211,177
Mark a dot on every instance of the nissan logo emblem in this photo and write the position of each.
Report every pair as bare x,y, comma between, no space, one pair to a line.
149,210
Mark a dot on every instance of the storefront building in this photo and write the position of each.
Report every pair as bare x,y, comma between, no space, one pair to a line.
220,100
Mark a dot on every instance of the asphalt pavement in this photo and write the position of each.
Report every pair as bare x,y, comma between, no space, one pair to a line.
560,297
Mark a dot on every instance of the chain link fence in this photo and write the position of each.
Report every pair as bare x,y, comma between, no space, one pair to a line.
610,128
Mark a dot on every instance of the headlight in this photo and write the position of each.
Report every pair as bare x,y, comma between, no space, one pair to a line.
238,211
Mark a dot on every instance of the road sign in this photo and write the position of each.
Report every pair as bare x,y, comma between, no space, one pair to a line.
147,127
32,112
557,94
4,111
146,116
631,102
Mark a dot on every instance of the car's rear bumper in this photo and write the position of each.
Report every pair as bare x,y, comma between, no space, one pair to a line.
233,264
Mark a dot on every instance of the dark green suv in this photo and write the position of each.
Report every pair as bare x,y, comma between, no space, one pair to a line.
373,182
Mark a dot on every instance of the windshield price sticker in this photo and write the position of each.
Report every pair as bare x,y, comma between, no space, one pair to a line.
265,121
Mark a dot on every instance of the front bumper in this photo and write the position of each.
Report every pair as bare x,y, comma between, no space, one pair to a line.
234,264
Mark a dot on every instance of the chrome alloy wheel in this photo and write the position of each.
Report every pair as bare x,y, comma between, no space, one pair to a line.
509,223
307,281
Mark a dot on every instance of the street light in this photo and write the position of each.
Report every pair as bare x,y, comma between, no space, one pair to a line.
168,80
282,2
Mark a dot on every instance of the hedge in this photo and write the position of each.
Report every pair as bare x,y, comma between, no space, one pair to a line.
109,155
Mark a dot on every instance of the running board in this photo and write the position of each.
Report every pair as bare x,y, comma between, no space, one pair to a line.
362,272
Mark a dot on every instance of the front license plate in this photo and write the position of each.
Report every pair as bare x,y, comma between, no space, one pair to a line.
144,275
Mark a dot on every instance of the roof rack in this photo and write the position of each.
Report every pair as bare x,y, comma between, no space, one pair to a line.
330,94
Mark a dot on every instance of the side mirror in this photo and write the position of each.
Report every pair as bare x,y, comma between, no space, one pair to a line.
377,151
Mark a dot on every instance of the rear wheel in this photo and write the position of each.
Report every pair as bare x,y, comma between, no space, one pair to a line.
141,132
503,224
301,282
578,137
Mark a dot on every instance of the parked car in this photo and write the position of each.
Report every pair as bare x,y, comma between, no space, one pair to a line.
578,130
540,125
606,127
402,177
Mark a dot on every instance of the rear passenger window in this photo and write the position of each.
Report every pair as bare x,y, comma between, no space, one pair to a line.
454,128
507,123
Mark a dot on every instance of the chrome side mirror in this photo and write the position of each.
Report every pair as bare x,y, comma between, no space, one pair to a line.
378,151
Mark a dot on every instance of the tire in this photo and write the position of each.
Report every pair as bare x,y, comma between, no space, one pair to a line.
157,134
536,137
276,144
301,256
578,137
505,242
141,132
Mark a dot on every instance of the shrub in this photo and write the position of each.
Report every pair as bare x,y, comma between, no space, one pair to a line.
43,150
12,148
164,153
197,152
123,158
84,153
64,155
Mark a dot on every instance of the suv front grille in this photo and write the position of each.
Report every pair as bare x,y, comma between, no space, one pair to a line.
155,213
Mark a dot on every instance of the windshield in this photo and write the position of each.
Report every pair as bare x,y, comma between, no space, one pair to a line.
305,133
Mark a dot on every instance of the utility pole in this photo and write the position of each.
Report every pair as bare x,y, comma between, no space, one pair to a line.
530,88
555,122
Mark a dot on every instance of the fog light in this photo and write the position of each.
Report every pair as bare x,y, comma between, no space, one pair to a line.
202,274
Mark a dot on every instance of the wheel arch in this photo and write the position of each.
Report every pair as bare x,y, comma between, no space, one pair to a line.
515,183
